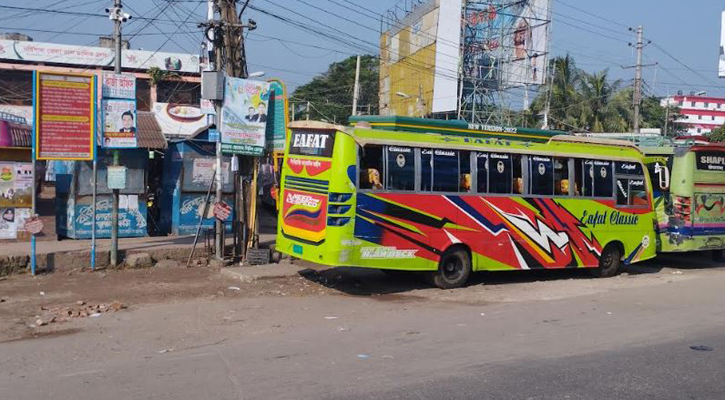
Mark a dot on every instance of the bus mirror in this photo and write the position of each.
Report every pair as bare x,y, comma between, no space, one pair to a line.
663,175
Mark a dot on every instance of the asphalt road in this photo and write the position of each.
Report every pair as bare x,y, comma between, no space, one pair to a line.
569,338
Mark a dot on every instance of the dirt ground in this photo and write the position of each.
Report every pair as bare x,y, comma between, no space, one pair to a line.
24,299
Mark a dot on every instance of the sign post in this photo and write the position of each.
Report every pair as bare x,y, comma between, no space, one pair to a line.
64,113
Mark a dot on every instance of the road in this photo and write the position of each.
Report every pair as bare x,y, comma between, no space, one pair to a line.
516,336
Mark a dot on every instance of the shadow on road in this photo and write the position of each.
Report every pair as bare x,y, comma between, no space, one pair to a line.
373,282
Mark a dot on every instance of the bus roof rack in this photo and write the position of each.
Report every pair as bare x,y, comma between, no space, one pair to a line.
317,125
594,140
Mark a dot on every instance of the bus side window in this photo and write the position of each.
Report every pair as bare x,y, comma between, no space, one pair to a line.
500,174
426,170
371,167
446,176
517,175
561,176
602,172
631,192
482,172
541,176
401,168
464,169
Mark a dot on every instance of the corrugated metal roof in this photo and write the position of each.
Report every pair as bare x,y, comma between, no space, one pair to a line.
149,131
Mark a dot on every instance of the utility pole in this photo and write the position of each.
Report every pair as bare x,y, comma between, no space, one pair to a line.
117,17
356,89
637,97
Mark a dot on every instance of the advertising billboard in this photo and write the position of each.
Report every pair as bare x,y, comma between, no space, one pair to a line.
244,116
118,86
96,56
506,44
277,116
448,38
65,115
119,124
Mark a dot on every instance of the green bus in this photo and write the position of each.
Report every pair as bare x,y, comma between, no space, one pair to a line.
457,202
689,196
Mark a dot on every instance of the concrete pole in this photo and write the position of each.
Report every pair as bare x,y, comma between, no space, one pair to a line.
116,193
637,97
356,90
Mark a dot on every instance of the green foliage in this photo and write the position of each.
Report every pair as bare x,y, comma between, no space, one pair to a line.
158,75
718,135
591,102
330,94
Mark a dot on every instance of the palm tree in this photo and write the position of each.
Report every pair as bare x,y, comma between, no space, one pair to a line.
597,91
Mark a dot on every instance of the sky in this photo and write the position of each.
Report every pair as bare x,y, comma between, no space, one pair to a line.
684,36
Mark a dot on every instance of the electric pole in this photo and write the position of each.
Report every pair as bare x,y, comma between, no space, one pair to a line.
637,97
117,16
356,89
228,54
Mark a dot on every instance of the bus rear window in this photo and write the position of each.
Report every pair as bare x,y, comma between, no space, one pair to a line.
312,143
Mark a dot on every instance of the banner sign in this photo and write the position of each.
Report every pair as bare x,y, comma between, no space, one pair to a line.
244,116
96,56
710,161
119,124
277,116
178,120
118,86
65,111
16,184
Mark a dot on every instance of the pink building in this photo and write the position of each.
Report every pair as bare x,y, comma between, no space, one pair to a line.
701,114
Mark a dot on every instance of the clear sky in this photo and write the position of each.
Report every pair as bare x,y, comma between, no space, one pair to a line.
685,35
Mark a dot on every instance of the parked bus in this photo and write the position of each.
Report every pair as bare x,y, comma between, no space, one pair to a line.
689,197
448,204
688,179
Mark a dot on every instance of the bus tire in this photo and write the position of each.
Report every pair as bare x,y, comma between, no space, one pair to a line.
608,262
718,255
453,271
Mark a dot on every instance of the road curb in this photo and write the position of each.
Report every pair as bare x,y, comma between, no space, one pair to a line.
267,271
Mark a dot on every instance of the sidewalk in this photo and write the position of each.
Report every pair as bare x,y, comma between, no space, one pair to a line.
68,254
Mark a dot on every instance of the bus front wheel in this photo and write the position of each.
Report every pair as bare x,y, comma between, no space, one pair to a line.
608,262
453,271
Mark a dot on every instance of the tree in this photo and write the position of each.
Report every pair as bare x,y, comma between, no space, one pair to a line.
718,135
330,94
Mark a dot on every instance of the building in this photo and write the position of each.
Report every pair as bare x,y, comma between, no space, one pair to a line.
164,81
701,114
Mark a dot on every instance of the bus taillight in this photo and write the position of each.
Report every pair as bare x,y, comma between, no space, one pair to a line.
683,208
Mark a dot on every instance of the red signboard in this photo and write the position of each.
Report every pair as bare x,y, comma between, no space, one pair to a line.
222,211
65,116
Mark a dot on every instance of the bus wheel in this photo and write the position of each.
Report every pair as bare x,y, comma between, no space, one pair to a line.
718,255
608,262
453,269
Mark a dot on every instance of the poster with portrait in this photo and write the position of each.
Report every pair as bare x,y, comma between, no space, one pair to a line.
8,224
244,116
119,124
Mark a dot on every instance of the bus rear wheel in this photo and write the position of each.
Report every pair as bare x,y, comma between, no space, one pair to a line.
453,271
608,262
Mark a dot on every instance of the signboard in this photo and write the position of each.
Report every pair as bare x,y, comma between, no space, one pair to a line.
178,120
86,56
207,107
222,211
65,115
116,177
721,64
16,184
34,225
118,86
277,116
8,224
119,124
710,161
244,116
213,135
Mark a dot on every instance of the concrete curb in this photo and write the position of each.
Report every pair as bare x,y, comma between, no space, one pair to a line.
267,271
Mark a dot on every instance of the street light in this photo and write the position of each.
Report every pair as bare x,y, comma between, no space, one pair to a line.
256,74
419,100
